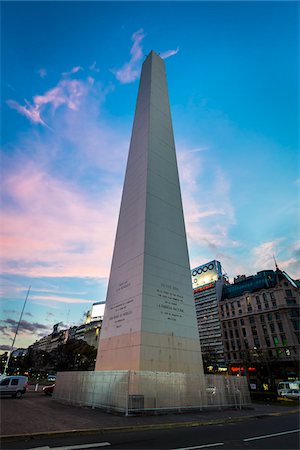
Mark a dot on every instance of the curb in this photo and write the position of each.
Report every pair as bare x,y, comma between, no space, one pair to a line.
131,428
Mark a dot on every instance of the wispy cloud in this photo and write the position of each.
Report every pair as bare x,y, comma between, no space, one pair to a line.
72,71
206,223
42,72
264,252
169,53
59,299
32,112
130,71
67,93
93,67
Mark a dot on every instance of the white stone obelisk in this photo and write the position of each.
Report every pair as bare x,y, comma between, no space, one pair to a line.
150,319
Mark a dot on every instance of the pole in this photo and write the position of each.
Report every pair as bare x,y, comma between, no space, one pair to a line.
17,329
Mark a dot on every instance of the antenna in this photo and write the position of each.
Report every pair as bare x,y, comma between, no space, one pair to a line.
16,332
275,263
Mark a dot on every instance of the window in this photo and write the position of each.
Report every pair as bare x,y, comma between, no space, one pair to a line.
234,323
276,341
254,330
272,327
272,295
265,297
283,339
14,382
234,355
265,330
288,293
291,301
257,300
262,319
237,333
249,308
270,353
232,305
244,332
294,313
256,342
270,317
239,304
225,335
229,324
268,342
266,305
296,325
277,316
251,319
240,311
231,334
280,327
242,322
4,382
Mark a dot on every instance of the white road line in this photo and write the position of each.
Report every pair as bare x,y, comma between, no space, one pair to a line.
271,435
216,444
74,447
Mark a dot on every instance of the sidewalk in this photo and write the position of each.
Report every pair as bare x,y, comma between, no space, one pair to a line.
36,415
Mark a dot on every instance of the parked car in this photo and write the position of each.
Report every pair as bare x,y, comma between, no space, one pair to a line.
15,386
293,394
48,390
285,386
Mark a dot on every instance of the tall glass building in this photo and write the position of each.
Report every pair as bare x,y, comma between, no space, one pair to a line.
207,281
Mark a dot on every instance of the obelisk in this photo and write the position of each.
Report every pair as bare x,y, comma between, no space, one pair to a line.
150,318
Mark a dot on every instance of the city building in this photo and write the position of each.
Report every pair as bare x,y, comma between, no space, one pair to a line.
207,281
260,326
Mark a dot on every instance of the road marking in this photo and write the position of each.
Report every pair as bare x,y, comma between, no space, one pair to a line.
216,444
271,435
74,447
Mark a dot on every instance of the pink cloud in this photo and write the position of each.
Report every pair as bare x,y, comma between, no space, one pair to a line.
169,53
67,93
130,71
54,229
59,299
32,112
73,70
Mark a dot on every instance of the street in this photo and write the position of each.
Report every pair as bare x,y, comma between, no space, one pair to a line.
272,432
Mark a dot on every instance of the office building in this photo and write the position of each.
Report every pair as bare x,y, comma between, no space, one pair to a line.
207,281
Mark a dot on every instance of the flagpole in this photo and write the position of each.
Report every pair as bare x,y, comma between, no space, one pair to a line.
16,332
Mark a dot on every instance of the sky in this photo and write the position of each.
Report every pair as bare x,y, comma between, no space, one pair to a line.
69,76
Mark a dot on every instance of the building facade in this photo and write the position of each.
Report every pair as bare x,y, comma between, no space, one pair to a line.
260,326
207,281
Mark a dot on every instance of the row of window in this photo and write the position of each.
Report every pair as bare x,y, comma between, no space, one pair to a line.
238,345
279,352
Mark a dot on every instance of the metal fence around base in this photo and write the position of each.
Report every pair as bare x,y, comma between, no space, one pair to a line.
133,392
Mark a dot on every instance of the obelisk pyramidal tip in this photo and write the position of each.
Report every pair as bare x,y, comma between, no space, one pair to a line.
150,318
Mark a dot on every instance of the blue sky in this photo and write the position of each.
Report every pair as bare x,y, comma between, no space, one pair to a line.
70,73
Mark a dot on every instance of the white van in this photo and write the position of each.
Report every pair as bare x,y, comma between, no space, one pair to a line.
15,386
284,386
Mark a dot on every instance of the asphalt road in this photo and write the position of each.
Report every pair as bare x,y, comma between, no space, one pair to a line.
274,433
